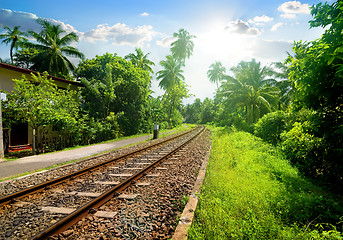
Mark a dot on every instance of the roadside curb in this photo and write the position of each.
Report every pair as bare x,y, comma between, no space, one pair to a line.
187,216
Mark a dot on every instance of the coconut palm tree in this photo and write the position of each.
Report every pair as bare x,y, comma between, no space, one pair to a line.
252,89
171,75
14,37
285,85
183,47
216,72
140,60
53,49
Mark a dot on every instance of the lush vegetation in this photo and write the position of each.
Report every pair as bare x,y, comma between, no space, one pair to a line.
252,192
296,104
115,100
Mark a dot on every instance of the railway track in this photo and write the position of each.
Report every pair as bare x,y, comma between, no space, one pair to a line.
58,204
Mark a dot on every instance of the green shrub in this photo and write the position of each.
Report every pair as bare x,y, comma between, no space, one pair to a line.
270,126
303,149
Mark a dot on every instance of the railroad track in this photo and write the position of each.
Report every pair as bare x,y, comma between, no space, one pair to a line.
62,202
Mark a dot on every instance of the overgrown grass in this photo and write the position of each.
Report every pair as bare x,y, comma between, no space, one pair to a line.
252,192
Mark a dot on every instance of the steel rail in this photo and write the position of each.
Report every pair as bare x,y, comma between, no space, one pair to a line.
30,190
91,207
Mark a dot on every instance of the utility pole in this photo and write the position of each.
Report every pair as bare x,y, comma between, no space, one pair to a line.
1,134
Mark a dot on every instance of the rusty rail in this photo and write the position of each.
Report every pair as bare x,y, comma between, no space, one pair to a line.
78,214
12,197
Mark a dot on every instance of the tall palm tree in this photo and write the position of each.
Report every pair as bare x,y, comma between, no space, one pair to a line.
171,75
183,47
140,60
53,49
14,37
252,89
216,72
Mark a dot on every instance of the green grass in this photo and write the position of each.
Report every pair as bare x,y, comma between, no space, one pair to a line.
252,192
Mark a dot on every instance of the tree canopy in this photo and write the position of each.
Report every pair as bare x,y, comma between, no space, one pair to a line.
14,37
115,85
183,46
53,46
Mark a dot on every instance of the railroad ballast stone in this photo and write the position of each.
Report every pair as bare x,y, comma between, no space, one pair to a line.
152,214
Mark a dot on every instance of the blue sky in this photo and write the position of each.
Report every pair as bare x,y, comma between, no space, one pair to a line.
228,31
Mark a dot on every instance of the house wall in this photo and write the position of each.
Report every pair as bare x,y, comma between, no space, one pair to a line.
6,77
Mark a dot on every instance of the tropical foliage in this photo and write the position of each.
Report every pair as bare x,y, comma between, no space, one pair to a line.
53,49
14,37
216,73
296,104
171,79
140,60
250,89
171,76
115,85
183,47
41,103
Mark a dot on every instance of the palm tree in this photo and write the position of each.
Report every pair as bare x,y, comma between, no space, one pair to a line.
216,72
171,76
140,60
284,84
14,37
251,89
183,47
52,49
172,81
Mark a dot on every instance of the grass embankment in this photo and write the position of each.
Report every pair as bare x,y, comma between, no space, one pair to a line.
252,192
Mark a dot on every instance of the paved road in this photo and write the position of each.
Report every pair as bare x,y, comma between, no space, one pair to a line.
31,163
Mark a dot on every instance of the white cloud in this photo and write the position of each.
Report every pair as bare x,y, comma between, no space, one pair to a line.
276,26
291,8
27,21
260,20
165,41
145,14
120,34
241,27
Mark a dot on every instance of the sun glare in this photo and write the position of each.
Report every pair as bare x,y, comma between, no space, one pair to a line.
221,44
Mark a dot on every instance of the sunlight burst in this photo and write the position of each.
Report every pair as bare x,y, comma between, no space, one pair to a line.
222,44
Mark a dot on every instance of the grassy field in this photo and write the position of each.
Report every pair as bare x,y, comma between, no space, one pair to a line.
252,192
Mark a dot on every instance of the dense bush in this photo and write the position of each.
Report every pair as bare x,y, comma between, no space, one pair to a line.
270,126
303,149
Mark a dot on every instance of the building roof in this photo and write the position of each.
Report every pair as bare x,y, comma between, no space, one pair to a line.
26,71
